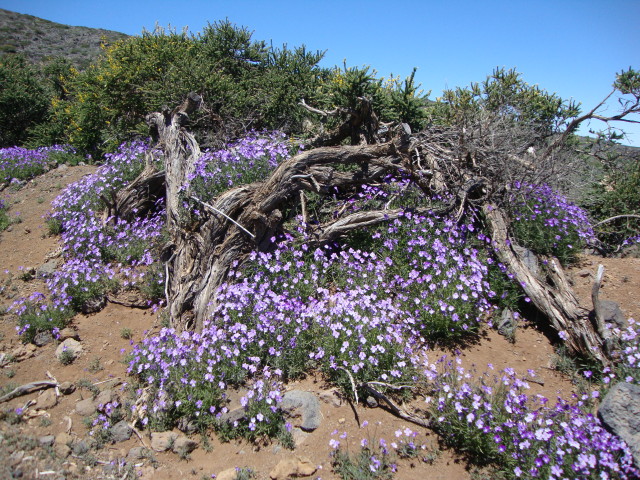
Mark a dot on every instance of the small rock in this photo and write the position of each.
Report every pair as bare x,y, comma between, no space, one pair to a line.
112,383
228,474
138,453
187,426
372,402
183,446
120,432
66,333
162,441
46,440
81,447
331,396
42,338
584,273
47,399
298,436
94,305
47,269
341,420
619,413
69,345
62,167
104,397
67,388
234,415
64,439
61,450
292,467
16,458
303,405
86,407
24,351
612,314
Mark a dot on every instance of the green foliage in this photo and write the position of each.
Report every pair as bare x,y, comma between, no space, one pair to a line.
66,357
370,463
618,194
23,100
241,81
35,316
504,93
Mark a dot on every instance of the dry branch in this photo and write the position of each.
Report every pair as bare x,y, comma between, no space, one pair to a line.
28,388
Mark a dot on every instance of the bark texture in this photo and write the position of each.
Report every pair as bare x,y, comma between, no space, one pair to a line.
463,165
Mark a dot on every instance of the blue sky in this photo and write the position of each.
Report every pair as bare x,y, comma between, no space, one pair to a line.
570,47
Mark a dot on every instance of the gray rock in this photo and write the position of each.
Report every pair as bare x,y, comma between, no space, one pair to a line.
46,440
612,314
234,415
86,407
619,413
120,432
47,269
94,304
183,446
67,388
42,338
138,453
298,404
69,345
163,441
81,447
372,402
104,397
186,426
632,251
47,399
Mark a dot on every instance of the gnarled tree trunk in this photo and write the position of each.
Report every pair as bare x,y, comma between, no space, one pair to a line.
243,219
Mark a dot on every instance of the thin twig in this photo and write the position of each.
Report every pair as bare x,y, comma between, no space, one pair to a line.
396,409
51,377
353,383
308,177
211,207
617,217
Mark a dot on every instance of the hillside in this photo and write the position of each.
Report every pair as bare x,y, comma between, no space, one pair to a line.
39,39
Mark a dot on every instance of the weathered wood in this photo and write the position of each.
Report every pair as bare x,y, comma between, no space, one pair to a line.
464,165
28,388
556,301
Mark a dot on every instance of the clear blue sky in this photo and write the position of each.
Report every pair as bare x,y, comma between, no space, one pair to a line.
570,47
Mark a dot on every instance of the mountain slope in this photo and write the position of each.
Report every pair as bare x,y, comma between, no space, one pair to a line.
39,39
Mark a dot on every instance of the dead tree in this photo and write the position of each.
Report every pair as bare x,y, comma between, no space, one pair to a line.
473,166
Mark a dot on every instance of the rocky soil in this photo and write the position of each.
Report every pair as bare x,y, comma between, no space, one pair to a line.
51,438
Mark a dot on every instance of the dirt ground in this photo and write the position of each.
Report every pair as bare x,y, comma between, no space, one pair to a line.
27,245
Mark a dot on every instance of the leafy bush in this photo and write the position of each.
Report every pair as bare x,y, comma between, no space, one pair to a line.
24,100
548,224
36,315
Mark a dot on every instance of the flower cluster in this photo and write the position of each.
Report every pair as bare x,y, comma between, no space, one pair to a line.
498,423
546,222
22,164
249,159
